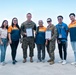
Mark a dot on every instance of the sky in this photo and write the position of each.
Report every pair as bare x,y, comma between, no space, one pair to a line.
40,9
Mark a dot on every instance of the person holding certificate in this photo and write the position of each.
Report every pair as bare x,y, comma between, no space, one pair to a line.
27,31
50,34
40,41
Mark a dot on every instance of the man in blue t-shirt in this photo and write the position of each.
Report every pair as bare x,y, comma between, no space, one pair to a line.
62,30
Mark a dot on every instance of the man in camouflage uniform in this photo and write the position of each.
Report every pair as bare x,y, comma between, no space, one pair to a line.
28,41
50,43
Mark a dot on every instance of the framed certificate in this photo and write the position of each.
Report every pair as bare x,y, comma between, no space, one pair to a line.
48,34
29,32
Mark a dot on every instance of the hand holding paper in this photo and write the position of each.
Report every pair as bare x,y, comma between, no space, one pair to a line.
48,34
29,32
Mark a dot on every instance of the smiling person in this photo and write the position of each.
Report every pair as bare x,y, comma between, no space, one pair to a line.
27,31
3,40
72,30
40,41
62,30
50,43
14,36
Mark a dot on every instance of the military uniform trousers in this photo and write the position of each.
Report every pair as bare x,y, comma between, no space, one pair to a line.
51,49
28,42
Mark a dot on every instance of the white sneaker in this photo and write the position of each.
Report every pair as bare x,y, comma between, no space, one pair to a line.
60,61
38,61
43,61
3,63
73,63
64,62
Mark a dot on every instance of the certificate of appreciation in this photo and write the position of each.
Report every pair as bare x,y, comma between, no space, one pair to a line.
29,32
48,34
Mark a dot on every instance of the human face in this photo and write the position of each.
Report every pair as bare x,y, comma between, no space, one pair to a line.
60,19
40,23
49,22
15,21
29,16
72,18
5,24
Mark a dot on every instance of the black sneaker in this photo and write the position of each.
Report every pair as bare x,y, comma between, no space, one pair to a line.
13,62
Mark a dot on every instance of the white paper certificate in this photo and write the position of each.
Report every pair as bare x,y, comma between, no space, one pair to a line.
29,32
48,34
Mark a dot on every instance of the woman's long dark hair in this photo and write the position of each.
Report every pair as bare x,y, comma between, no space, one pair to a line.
2,26
16,24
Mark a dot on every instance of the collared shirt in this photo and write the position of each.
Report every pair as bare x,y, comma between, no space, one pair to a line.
15,33
42,29
62,31
40,36
72,29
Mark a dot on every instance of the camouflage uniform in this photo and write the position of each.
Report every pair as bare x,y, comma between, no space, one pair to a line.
28,41
51,43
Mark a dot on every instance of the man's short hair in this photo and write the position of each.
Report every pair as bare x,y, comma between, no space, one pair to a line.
29,14
72,14
40,21
60,16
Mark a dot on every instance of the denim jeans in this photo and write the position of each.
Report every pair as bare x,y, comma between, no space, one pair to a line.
74,48
3,49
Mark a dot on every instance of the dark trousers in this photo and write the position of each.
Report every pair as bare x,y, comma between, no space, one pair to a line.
48,47
62,50
14,46
41,51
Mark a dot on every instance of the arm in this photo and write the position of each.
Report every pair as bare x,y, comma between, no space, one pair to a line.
35,28
67,29
9,34
9,38
0,38
46,43
54,34
22,30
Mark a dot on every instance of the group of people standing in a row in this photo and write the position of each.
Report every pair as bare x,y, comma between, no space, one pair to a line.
25,34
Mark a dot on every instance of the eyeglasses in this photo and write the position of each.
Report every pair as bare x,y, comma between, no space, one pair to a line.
48,21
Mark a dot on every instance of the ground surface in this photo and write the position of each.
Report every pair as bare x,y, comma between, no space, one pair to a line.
38,68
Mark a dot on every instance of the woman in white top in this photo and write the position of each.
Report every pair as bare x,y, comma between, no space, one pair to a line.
3,40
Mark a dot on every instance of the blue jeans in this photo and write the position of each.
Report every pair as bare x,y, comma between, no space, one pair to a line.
74,48
3,49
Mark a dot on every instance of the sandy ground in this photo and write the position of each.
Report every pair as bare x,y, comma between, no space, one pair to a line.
38,68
